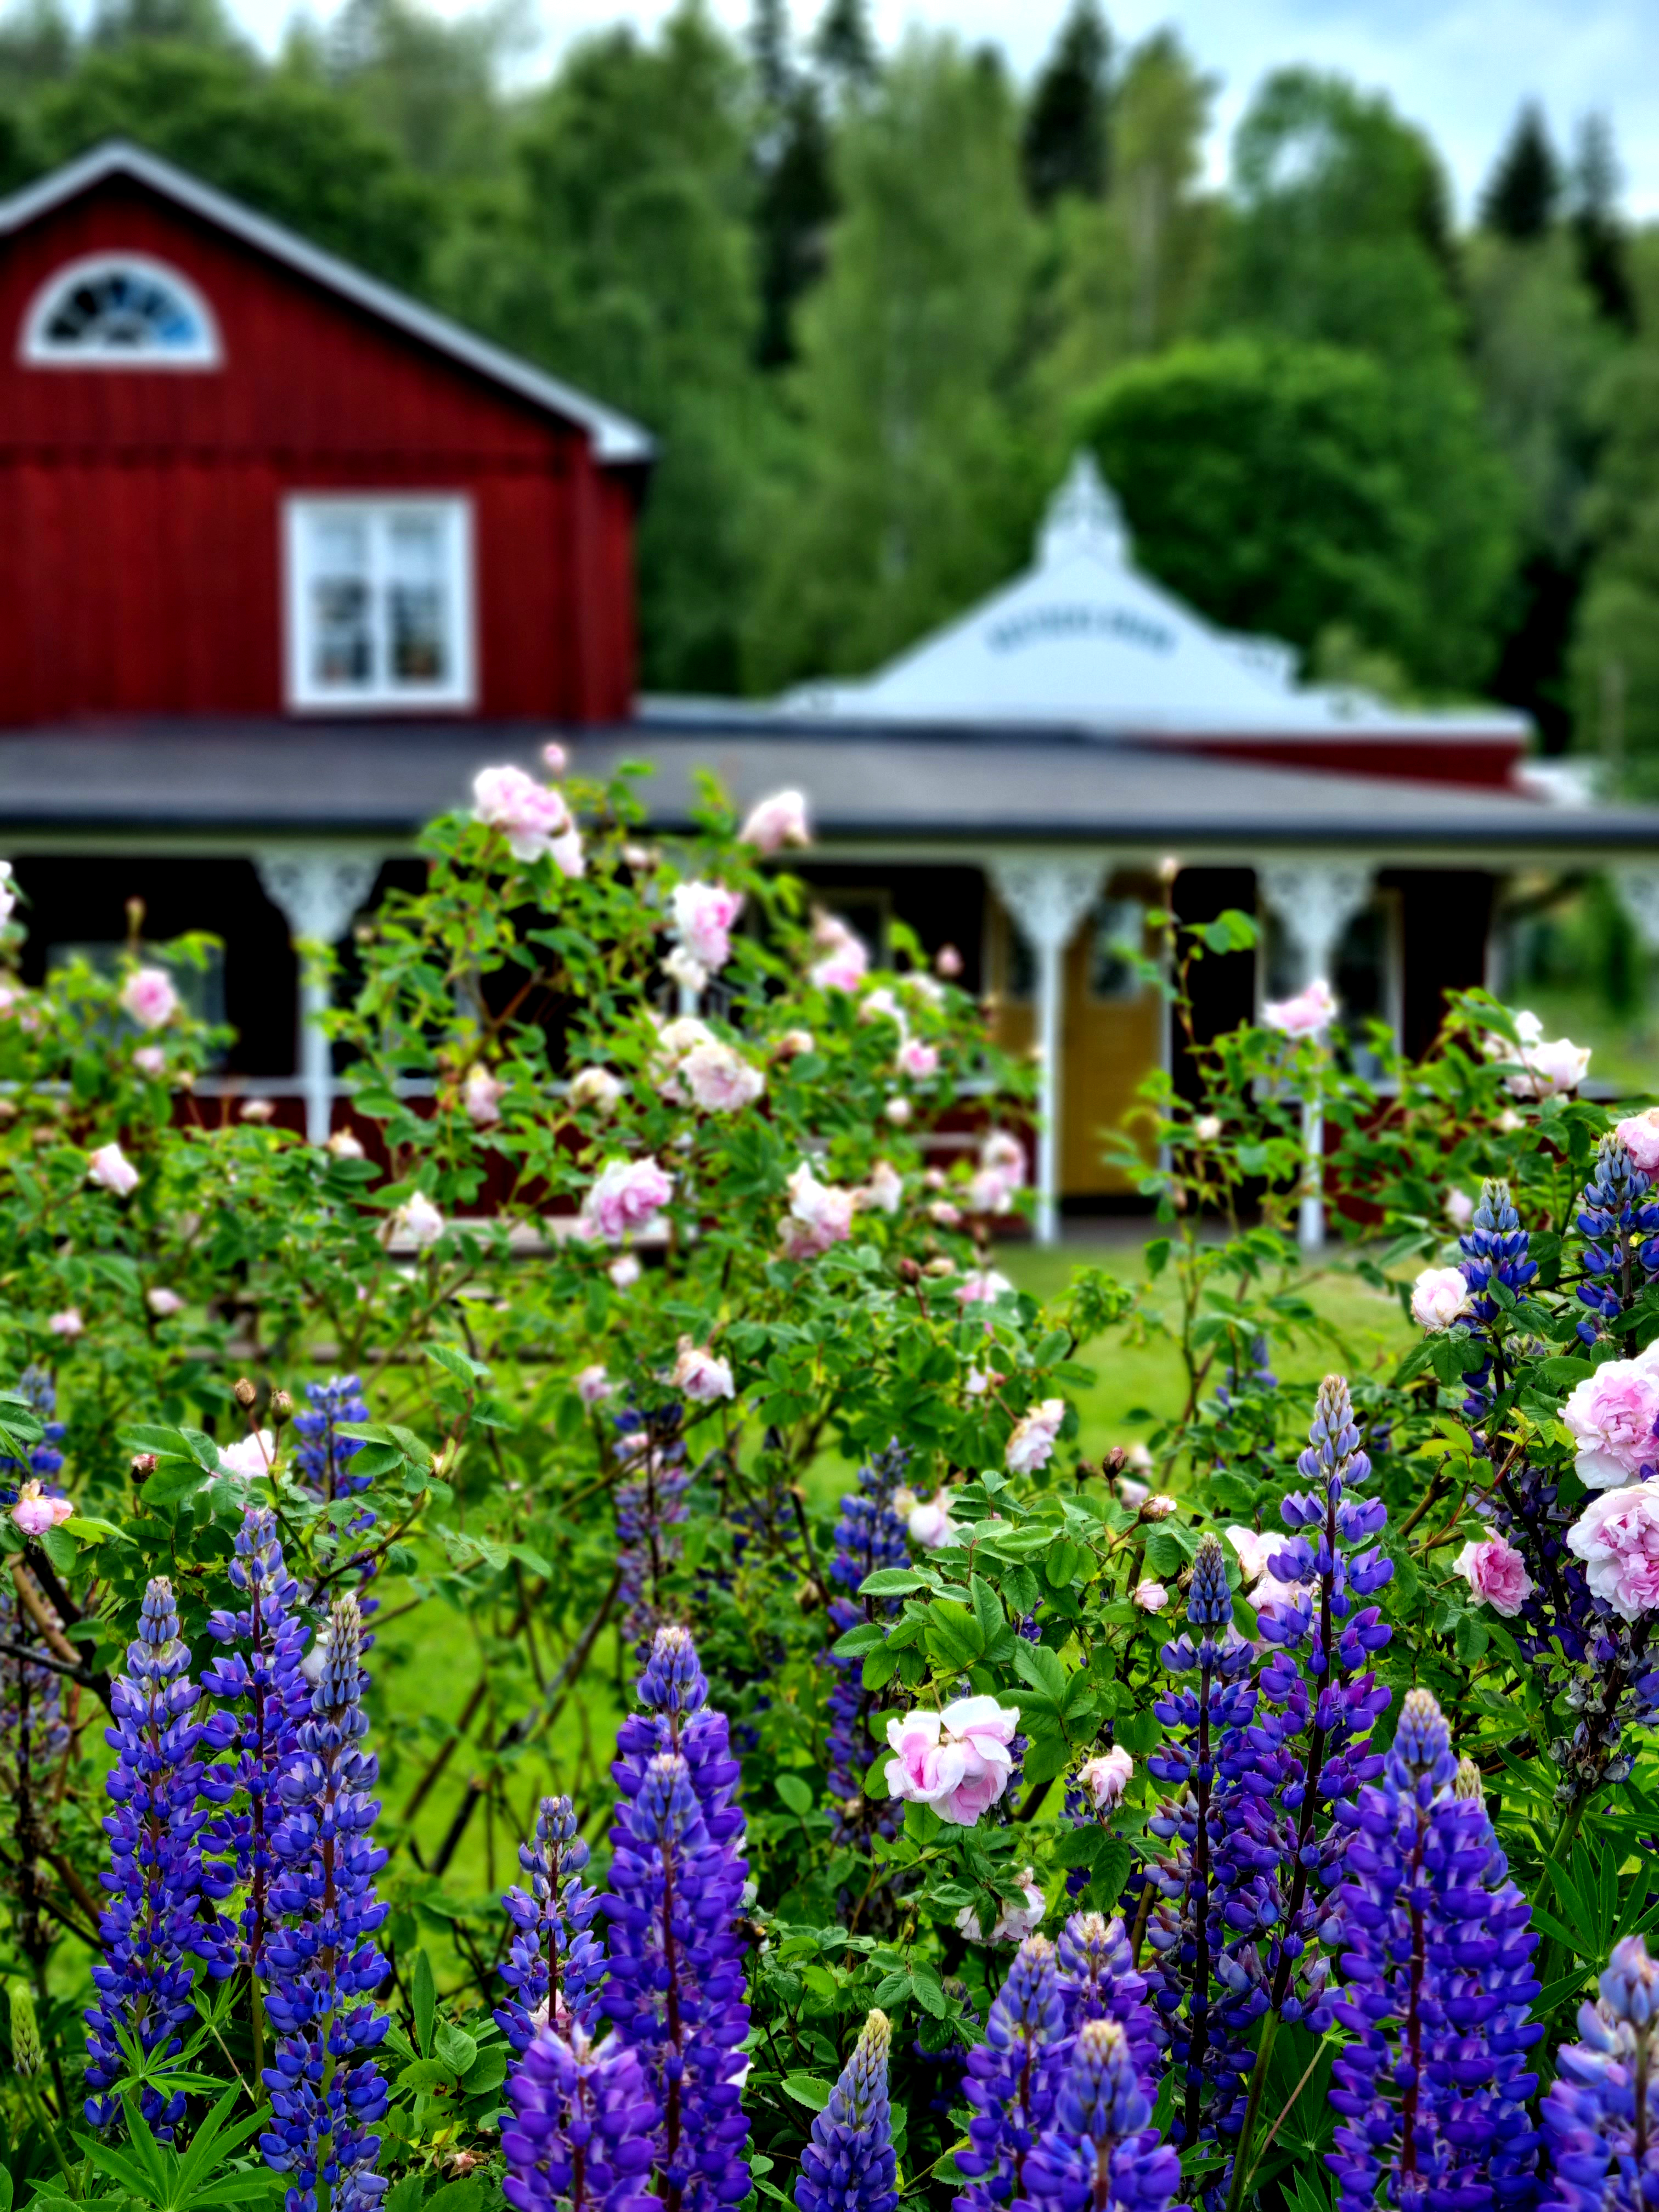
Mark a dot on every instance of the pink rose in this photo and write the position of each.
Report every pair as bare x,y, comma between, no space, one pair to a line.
1033,1439
1459,1208
34,1512
148,997
917,1059
702,1376
1106,1777
675,1040
1150,1596
625,1272
1207,1128
884,1192
1639,1135
982,1286
626,1195
1497,1576
68,1323
1617,1537
162,1302
110,1166
930,1525
948,961
898,1111
793,1043
845,957
481,1096
1252,1550
703,914
150,1060
343,1146
1549,1067
597,1087
946,1215
1613,1414
1003,1154
820,1215
988,1192
258,1109
419,1220
680,967
593,1384
554,759
958,1761
1159,1506
250,1457
567,855
1439,1295
773,822
1014,1923
720,1080
1308,1013
528,815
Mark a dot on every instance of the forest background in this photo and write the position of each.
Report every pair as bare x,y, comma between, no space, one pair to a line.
870,303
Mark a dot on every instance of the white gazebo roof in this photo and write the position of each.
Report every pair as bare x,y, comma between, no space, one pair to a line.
1084,639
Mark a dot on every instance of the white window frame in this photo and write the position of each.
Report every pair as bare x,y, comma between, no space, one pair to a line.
36,351
459,687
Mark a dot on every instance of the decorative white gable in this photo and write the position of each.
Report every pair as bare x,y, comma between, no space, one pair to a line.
1084,640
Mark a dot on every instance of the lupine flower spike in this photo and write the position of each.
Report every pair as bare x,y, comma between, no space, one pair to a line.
1494,1249
1101,2150
1602,2114
849,2164
586,2128
1437,1962
1098,1981
155,1877
1012,2078
555,1965
321,1964
258,1679
1618,1219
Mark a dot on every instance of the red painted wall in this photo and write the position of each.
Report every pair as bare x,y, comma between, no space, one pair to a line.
140,558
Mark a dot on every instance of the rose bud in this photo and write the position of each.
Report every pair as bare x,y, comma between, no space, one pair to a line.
282,1405
143,1466
245,1393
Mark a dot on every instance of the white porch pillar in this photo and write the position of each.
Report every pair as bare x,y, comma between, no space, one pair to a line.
1638,887
317,889
1313,901
1048,895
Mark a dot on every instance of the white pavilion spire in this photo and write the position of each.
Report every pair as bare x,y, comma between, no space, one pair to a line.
1083,517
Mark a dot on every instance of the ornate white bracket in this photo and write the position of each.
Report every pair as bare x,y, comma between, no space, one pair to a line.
1638,893
1048,895
1314,902
316,889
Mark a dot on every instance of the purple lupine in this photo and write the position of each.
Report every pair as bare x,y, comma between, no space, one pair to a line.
1618,1219
1601,2112
1012,2078
679,1718
675,1990
323,1458
153,1922
321,1965
1100,2149
869,1535
1436,1960
555,1965
1098,1980
258,1683
1309,1745
849,2164
44,1461
650,1505
1187,1930
585,2129
1494,1249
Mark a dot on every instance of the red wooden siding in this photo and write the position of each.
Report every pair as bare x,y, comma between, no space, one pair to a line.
140,510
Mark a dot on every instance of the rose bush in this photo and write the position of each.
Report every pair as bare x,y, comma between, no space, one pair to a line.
618,1455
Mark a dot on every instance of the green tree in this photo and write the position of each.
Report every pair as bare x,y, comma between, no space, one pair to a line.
430,85
292,151
1597,226
623,258
793,194
1275,488
1525,187
1064,146
902,498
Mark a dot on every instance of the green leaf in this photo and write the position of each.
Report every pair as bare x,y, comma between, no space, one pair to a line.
893,1582
953,1635
405,2195
454,2047
1045,1757
1138,1732
488,2071
458,2196
1037,1664
424,1991
929,1988
175,1481
427,2074
988,1609
794,1793
868,1636
806,2089
58,1546
1061,1563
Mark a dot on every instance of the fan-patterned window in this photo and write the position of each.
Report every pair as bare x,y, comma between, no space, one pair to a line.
120,311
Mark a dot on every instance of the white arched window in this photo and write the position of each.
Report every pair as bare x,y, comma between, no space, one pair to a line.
120,311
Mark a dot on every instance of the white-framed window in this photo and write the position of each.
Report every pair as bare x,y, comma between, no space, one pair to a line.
378,601
120,311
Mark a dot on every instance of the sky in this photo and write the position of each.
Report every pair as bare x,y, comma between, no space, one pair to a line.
1458,68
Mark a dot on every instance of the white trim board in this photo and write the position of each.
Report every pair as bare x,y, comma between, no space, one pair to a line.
615,439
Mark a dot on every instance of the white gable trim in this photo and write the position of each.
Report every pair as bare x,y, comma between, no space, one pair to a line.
614,438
